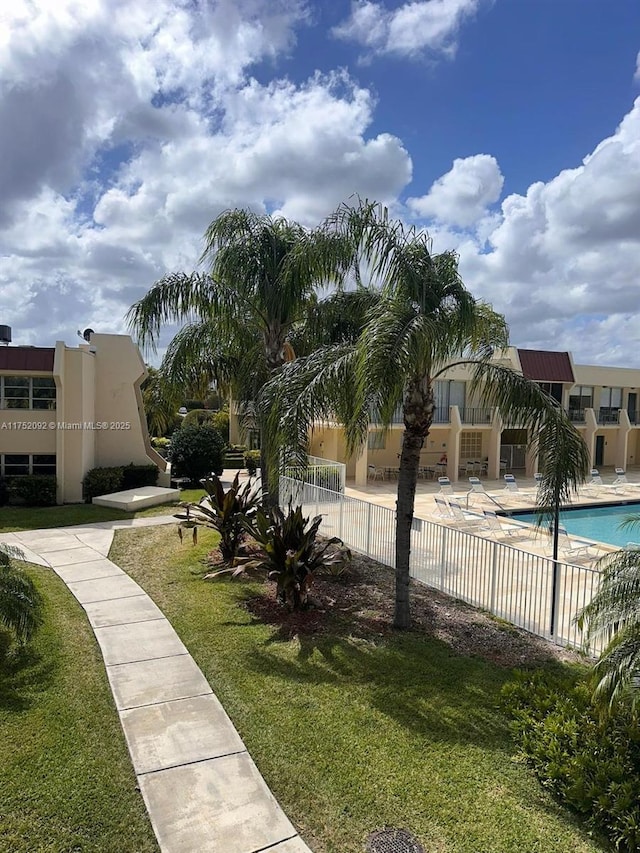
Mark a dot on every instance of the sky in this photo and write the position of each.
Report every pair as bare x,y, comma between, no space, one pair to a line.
508,129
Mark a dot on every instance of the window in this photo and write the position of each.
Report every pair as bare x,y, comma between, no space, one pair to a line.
470,445
553,389
27,392
376,440
610,403
16,464
581,398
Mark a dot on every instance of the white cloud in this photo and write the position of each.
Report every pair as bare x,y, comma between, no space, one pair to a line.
636,76
463,195
410,30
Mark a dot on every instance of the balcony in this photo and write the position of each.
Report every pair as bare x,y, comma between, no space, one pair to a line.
634,417
608,416
440,416
577,416
476,417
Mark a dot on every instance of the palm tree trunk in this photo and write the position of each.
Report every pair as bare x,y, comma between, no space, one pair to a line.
274,354
417,415
407,479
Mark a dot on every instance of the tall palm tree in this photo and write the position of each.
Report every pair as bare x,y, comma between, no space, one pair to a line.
613,615
262,280
20,602
423,322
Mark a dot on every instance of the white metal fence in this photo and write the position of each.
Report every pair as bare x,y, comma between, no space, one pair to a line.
324,473
513,584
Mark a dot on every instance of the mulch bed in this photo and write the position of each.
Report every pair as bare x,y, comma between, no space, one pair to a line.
360,603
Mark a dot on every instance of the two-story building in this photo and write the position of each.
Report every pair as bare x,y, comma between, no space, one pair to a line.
469,438
65,410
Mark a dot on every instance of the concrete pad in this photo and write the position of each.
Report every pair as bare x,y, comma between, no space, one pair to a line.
69,556
151,681
182,731
104,589
121,611
221,805
138,641
59,542
99,540
100,568
133,499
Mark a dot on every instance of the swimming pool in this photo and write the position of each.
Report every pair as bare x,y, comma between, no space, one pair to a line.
596,522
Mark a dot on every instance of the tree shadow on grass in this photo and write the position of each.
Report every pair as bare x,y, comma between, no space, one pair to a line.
24,673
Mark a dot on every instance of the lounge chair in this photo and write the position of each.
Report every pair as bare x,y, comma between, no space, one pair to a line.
462,518
442,509
445,486
594,483
571,552
621,484
478,489
375,473
495,527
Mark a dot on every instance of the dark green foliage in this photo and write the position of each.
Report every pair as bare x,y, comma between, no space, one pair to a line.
291,554
101,481
4,492
252,461
21,604
161,446
589,760
230,513
33,489
196,452
198,417
190,405
135,476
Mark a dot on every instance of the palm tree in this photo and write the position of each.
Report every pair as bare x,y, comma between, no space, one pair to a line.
20,602
613,615
423,322
262,281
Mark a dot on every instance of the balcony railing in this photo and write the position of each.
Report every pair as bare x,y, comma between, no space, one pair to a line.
476,417
440,416
634,416
608,416
577,416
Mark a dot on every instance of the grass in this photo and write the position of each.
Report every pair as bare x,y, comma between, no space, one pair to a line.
353,735
66,779
16,518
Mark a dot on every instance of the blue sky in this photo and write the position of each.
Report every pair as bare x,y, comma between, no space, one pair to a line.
508,129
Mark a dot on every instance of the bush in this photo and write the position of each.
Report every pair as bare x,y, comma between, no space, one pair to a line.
198,417
34,489
136,476
588,760
161,446
101,481
196,452
220,421
4,492
252,461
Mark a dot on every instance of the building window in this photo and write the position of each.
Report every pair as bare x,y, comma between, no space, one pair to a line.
553,389
580,398
376,440
17,464
470,445
27,392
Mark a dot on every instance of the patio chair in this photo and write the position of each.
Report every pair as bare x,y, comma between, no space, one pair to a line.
511,484
621,484
445,486
375,473
495,527
584,552
467,519
478,489
594,483
442,510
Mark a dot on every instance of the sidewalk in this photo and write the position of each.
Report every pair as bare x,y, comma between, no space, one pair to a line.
201,788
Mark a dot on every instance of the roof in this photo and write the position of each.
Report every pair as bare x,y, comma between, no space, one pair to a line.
33,359
544,366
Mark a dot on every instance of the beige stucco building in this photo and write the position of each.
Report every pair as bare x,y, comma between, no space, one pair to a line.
469,438
65,410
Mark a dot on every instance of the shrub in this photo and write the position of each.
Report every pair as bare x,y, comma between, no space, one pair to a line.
252,461
4,492
220,421
34,489
292,555
135,476
589,760
101,481
21,604
229,513
196,452
161,446
198,417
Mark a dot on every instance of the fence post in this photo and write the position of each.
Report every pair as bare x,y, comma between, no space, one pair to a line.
341,516
369,529
494,578
555,600
443,557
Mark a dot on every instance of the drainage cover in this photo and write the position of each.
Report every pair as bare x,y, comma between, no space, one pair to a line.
393,841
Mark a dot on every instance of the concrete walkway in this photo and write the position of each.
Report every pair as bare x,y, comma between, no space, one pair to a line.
201,788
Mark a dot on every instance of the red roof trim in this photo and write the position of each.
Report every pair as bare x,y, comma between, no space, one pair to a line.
33,359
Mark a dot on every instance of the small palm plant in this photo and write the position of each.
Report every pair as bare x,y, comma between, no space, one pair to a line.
21,604
613,614
291,553
227,512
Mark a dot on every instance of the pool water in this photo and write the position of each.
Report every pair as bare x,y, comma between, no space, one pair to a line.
600,523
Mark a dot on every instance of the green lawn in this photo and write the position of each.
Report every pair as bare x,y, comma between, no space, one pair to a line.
355,734
14,518
66,782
